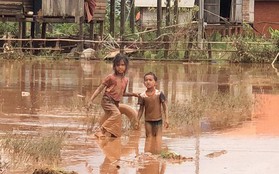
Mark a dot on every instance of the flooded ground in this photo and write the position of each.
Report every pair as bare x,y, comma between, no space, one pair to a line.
37,97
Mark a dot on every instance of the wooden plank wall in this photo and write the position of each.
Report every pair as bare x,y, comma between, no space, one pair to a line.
72,8
28,5
100,10
54,8
214,7
238,11
15,7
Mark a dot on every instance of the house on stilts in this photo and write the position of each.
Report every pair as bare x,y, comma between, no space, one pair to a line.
224,16
40,13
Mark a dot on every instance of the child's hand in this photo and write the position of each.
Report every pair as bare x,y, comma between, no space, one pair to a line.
166,124
89,104
137,125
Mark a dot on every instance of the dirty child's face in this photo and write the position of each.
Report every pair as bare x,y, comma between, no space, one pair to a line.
120,67
149,82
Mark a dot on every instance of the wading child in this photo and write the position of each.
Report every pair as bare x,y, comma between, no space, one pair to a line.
115,85
154,106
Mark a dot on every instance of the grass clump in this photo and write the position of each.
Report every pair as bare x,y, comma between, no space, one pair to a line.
218,110
27,149
174,157
52,171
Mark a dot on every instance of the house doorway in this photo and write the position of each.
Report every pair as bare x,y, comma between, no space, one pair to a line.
225,8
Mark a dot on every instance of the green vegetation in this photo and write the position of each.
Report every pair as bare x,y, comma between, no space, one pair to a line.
174,157
218,110
63,30
11,27
26,149
93,114
174,43
275,36
256,51
52,171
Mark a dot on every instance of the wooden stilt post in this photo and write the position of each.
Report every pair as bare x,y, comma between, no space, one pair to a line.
100,37
201,26
167,46
91,30
168,18
189,47
101,32
159,17
175,18
32,29
122,24
112,17
23,29
20,26
31,46
209,51
81,34
132,16
166,38
43,35
91,33
176,13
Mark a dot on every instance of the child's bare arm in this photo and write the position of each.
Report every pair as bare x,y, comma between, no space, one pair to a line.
140,112
130,94
97,92
166,115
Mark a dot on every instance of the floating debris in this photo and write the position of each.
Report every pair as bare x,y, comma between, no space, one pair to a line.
81,96
25,94
216,154
174,157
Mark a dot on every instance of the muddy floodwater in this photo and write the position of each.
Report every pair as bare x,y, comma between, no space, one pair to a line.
37,97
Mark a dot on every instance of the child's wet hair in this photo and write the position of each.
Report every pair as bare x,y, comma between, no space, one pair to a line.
152,74
117,60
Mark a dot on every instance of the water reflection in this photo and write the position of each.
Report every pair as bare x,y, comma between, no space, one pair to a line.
153,144
112,150
155,167
38,96
49,83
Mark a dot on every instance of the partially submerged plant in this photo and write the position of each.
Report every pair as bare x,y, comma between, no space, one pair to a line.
3,165
174,157
220,110
52,171
93,114
24,149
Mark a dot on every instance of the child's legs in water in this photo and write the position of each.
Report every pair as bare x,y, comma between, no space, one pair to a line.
111,121
153,131
104,117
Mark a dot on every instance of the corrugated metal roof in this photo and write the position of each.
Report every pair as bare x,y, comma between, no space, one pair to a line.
153,3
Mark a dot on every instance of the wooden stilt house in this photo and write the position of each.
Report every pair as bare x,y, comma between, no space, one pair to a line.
148,13
224,16
53,11
13,10
227,16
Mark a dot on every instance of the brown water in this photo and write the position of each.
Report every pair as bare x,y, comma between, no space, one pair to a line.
37,97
